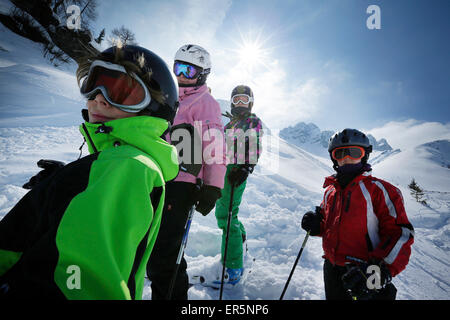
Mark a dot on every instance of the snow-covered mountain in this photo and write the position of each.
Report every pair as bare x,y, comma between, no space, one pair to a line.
309,137
286,184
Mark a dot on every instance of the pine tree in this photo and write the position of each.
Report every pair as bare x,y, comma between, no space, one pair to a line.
101,36
417,192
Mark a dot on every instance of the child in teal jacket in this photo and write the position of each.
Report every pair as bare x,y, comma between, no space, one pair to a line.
243,135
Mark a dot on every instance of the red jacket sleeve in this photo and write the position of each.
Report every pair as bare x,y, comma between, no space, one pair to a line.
395,231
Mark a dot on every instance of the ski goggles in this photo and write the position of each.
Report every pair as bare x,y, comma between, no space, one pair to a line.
189,71
123,90
351,152
241,98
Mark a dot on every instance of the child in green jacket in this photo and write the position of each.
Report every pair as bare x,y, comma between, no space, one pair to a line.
87,230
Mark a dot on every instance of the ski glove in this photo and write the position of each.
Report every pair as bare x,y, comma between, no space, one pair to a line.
49,166
239,174
358,278
207,198
311,221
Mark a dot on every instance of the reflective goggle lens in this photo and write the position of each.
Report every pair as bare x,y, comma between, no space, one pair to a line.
352,152
241,98
189,71
122,90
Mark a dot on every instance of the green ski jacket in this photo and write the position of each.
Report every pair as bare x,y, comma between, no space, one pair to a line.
87,231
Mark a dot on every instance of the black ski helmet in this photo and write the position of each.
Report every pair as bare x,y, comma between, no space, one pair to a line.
154,72
350,137
242,89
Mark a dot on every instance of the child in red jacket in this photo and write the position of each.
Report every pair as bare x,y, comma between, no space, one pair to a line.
366,235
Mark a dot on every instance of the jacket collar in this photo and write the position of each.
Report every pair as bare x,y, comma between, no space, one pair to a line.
142,132
188,91
332,180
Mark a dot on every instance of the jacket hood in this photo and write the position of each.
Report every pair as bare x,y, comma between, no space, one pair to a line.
142,132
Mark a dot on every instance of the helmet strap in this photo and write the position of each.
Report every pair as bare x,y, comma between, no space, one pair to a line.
201,80
187,85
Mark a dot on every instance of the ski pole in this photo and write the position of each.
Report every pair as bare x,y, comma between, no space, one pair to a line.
295,265
187,226
230,213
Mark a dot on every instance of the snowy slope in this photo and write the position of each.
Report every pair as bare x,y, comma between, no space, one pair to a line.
427,275
32,91
287,183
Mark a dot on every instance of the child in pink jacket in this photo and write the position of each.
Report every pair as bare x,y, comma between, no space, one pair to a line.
199,109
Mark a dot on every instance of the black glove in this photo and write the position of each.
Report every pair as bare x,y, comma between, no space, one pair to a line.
355,279
207,198
49,166
239,174
311,221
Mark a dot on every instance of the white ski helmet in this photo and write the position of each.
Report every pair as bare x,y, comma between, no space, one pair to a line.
197,56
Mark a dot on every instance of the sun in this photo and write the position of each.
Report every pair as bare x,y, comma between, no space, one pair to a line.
251,52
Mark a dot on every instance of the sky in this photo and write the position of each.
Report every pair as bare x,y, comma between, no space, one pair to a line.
308,60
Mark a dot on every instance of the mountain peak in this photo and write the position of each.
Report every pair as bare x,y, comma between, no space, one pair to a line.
310,137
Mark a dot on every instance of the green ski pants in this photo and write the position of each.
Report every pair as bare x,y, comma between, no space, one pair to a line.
237,230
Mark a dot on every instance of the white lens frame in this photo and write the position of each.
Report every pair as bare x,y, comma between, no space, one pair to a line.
116,67
250,99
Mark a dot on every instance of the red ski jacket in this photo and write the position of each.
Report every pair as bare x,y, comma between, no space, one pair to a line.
366,220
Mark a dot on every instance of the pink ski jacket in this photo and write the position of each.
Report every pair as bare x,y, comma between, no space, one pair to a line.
200,109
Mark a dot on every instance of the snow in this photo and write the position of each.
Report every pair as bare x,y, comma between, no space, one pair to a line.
39,117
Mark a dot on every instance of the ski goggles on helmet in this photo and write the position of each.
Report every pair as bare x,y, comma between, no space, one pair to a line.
351,152
241,98
189,71
122,90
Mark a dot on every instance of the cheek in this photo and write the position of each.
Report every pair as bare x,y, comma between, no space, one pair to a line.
90,105
119,114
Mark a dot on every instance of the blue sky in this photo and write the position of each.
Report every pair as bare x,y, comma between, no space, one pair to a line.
315,60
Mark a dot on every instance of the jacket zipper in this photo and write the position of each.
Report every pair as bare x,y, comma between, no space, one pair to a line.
341,211
347,205
339,223
89,138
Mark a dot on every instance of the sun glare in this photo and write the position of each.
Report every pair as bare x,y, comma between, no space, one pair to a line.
251,52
